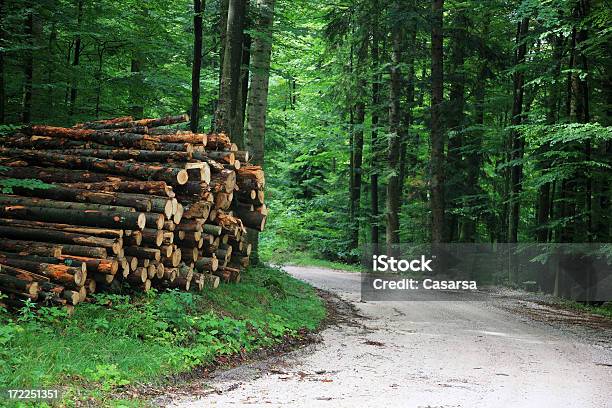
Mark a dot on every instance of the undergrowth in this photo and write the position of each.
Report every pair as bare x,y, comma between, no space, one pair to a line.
116,341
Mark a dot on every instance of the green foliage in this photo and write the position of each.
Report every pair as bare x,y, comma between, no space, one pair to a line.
114,341
6,185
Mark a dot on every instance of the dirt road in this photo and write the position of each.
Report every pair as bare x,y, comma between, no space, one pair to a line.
497,353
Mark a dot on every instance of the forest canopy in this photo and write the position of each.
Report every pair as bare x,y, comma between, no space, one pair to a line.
384,120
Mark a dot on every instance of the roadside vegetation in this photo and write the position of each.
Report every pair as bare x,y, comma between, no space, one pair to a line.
117,341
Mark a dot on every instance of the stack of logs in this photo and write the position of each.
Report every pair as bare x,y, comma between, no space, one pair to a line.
122,202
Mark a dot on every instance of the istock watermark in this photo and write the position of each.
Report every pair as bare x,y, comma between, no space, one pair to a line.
468,272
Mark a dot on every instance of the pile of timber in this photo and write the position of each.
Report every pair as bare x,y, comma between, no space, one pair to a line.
122,202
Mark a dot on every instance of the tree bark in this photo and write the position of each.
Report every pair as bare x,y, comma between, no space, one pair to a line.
243,88
31,248
393,155
517,143
230,80
61,273
455,185
375,148
28,67
104,219
10,200
2,87
171,175
76,57
98,232
544,192
198,6
141,203
128,122
158,188
437,131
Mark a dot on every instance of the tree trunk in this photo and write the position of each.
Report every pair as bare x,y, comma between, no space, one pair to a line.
76,57
2,88
198,6
544,193
222,27
28,67
257,106
455,185
437,131
474,156
408,150
230,79
374,230
393,155
243,88
517,142
357,151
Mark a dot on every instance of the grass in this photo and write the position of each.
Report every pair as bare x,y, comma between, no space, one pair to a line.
305,258
604,310
117,341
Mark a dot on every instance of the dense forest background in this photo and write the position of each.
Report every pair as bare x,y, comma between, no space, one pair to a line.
387,121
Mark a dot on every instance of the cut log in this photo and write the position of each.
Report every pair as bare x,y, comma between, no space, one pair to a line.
242,155
101,266
91,218
211,281
171,175
8,200
216,155
218,141
252,219
57,272
139,202
54,175
224,181
143,253
31,248
150,123
60,237
207,264
86,125
153,236
251,177
98,232
212,229
159,188
87,251
155,220
129,154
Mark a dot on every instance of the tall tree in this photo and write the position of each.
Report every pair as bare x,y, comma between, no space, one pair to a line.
374,112
28,66
76,56
437,132
357,150
198,6
230,79
258,94
243,88
516,139
260,78
2,89
393,154
455,184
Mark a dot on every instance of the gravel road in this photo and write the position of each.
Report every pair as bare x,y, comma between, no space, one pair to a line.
502,352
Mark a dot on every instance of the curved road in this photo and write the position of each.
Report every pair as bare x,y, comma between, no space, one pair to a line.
426,354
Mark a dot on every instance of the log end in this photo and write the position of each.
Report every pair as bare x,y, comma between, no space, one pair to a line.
182,177
142,220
